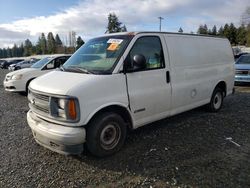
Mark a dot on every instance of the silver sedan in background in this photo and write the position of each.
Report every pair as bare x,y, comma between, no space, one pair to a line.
242,69
23,64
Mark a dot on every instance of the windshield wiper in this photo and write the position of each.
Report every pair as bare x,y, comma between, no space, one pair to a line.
78,69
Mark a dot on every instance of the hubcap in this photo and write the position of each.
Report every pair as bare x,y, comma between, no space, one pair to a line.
217,100
110,136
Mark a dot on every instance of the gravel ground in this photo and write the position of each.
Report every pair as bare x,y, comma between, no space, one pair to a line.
188,150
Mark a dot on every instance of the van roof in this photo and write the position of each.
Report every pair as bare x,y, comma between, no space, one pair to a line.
158,32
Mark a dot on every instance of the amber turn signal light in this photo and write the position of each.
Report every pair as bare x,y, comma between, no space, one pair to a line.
72,109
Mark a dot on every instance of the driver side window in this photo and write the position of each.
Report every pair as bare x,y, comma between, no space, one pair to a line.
50,65
56,63
150,47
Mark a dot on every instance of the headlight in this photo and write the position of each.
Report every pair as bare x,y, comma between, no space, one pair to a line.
61,103
66,109
17,77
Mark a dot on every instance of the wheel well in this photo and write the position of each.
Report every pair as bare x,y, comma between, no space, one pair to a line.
122,111
27,84
222,85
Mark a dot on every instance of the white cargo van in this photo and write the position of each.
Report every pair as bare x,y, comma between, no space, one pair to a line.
123,81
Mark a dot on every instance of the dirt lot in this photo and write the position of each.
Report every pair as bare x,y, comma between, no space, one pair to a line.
188,150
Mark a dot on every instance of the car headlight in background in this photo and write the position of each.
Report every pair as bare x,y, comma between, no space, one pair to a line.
17,77
66,109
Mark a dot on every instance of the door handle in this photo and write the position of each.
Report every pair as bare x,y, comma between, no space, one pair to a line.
167,77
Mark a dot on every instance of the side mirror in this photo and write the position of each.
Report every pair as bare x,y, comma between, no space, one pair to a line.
139,62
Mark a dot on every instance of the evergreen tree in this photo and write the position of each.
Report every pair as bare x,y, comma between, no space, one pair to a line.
226,31
34,50
38,46
27,47
51,43
241,35
21,50
180,30
209,32
214,30
4,53
79,42
59,45
232,34
14,51
203,29
43,43
200,29
58,41
8,51
114,25
221,31
248,36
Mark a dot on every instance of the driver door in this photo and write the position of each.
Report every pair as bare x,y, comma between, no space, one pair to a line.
149,90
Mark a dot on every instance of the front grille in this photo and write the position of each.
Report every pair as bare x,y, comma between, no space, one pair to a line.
40,96
39,103
39,108
242,72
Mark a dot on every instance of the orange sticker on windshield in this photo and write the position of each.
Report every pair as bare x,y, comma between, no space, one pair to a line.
113,46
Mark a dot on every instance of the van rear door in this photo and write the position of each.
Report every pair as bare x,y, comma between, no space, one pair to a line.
149,89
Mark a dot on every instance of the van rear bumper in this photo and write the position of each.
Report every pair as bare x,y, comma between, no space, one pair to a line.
58,138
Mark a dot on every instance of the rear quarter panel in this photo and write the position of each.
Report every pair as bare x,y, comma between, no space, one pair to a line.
198,64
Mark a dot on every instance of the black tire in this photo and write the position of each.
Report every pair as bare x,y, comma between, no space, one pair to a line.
216,101
106,134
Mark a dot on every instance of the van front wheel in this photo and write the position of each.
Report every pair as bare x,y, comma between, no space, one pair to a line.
106,134
216,100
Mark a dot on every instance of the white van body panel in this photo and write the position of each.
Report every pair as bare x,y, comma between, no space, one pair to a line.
98,91
197,65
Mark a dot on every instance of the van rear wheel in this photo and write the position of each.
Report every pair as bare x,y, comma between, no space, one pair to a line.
106,134
216,100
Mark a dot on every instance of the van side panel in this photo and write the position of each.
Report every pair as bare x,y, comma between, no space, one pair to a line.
197,64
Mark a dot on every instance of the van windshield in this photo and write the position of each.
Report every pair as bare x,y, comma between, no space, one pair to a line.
98,56
41,63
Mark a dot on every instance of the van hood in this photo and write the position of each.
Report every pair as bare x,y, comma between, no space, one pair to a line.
23,71
60,83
